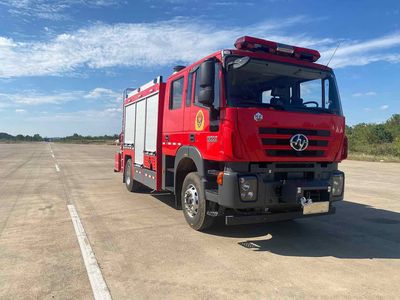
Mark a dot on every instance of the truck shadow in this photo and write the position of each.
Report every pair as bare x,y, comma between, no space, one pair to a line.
356,231
166,198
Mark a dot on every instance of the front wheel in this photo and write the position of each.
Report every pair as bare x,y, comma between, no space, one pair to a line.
131,184
194,203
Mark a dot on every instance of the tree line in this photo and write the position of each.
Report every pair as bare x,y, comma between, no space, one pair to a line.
72,138
20,138
365,138
376,139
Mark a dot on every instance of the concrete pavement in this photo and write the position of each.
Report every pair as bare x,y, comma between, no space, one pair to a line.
145,249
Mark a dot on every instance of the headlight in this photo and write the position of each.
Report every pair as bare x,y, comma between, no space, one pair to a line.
248,188
337,184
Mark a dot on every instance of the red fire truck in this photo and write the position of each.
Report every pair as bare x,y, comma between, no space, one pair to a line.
254,134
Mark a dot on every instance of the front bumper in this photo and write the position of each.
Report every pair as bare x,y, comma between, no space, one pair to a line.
277,195
271,217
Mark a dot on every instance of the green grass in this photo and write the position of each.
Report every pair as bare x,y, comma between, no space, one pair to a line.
370,157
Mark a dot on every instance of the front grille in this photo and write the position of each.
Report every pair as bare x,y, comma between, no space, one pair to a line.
294,166
305,153
277,142
292,131
269,141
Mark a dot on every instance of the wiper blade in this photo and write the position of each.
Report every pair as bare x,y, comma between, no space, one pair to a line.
326,110
276,106
258,104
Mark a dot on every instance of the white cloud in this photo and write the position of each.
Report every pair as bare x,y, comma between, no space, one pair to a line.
359,53
32,98
44,114
384,107
6,42
85,122
366,94
113,110
177,41
81,116
140,45
101,93
51,10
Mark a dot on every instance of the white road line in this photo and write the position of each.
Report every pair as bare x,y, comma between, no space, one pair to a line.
57,168
52,155
99,286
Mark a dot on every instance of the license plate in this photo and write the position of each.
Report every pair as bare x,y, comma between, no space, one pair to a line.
316,208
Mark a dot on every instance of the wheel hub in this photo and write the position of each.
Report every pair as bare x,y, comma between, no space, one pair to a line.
128,175
191,201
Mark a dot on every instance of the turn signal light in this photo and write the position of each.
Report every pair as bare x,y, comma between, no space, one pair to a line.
345,148
220,178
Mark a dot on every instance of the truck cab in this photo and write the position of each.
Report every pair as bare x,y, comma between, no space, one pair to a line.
253,134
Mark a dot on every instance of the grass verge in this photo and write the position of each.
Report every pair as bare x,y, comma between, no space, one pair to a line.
369,157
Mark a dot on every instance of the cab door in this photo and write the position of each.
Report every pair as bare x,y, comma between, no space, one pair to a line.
203,122
188,103
175,114
174,108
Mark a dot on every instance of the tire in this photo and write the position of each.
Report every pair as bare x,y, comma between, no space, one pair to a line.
194,203
131,184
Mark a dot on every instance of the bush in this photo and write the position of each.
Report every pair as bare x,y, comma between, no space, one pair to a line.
376,139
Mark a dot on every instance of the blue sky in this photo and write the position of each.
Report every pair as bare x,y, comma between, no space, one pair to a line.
64,64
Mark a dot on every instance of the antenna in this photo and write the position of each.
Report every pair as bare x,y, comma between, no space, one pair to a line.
333,54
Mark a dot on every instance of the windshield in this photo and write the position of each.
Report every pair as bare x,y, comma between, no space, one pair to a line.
260,83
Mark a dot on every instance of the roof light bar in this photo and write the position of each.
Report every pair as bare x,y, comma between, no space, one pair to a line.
255,44
284,48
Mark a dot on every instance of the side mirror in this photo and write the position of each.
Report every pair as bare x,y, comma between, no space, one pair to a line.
206,78
206,95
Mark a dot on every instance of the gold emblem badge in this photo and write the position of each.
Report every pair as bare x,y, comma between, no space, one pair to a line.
199,122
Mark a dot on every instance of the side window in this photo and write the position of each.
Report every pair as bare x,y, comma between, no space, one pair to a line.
331,96
325,95
197,86
175,100
266,96
189,89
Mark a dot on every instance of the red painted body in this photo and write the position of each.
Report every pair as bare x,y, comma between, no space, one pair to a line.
238,138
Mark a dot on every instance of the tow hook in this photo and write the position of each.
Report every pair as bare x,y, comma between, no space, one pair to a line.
215,213
212,213
304,201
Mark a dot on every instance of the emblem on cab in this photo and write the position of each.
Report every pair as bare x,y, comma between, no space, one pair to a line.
299,142
199,122
258,117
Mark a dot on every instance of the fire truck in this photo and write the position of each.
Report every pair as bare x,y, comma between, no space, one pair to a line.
251,134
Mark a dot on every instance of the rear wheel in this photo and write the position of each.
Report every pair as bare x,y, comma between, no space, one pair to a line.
131,184
194,203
